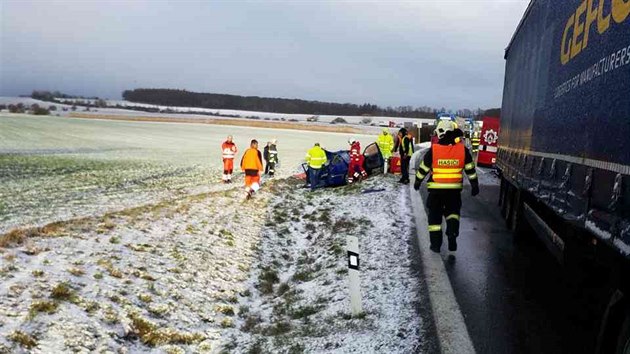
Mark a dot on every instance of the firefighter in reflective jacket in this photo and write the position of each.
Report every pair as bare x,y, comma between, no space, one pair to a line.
272,157
385,143
355,168
228,152
252,165
446,161
315,159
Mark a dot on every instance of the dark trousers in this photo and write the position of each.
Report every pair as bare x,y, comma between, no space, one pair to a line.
266,166
314,176
404,168
447,204
270,168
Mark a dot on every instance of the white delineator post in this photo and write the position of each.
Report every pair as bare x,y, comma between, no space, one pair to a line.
353,275
385,167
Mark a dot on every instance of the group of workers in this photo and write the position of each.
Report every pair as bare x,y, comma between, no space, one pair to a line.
316,157
251,162
445,162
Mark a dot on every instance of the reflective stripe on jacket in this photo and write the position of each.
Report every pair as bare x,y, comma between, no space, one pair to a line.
316,157
229,150
447,167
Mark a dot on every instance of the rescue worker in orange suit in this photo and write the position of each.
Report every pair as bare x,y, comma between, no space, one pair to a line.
252,165
405,149
446,161
355,168
228,152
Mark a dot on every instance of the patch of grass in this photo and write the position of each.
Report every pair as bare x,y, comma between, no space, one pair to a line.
42,306
282,289
153,335
114,240
62,292
278,328
13,237
159,310
342,225
267,279
147,276
191,229
116,273
342,270
310,227
90,306
110,316
146,298
224,309
38,273
227,322
303,276
108,224
142,247
296,349
251,322
324,217
23,339
32,250
77,272
304,311
336,249
9,257
243,310
98,276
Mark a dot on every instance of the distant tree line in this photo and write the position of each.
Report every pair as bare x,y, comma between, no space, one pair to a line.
32,109
52,96
183,98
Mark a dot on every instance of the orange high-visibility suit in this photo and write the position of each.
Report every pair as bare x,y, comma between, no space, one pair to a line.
228,152
252,165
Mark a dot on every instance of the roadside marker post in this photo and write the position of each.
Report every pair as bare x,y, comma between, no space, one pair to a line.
352,243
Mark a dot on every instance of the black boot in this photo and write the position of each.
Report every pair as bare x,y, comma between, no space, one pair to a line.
436,243
452,244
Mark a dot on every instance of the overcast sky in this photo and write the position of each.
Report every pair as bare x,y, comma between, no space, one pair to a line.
432,52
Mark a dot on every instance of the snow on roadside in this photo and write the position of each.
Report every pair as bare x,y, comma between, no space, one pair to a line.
298,294
162,278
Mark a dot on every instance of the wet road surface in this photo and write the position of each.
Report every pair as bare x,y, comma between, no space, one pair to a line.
515,298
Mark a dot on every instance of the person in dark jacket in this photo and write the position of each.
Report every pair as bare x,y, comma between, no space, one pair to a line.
272,158
446,161
405,149
266,156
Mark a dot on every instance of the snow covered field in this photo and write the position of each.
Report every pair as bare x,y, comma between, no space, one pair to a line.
144,250
54,168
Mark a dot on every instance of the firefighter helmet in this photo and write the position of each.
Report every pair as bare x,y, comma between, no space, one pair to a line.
443,127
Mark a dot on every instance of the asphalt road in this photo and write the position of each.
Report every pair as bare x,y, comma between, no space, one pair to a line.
514,297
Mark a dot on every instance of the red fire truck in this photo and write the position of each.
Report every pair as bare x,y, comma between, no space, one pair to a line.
489,141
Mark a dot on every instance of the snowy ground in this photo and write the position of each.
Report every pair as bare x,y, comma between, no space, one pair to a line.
156,255
299,292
